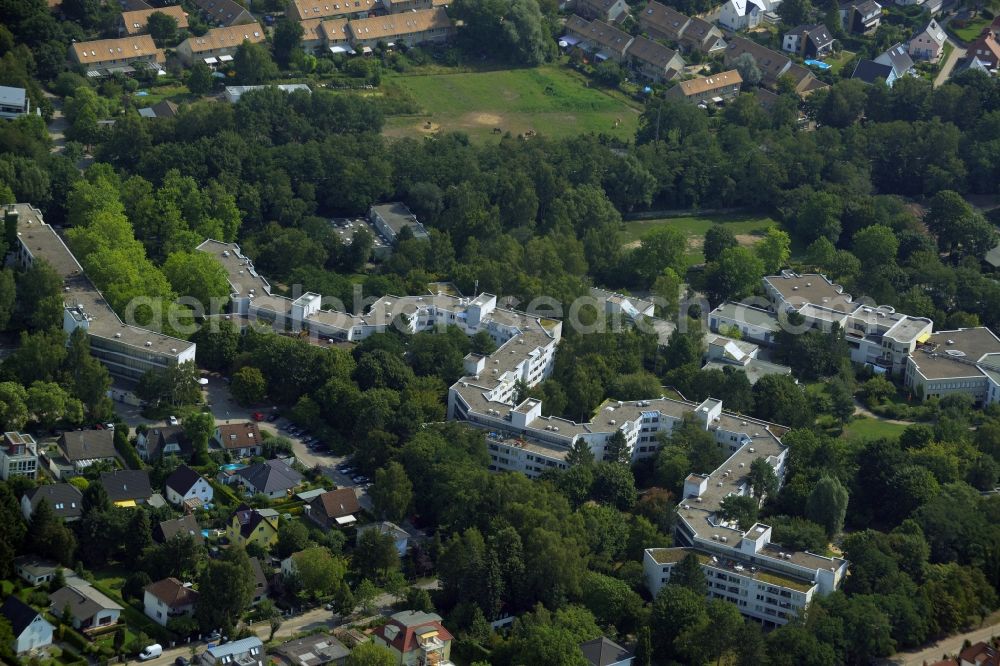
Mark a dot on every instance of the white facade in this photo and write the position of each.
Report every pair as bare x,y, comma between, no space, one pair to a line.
739,15
14,102
18,456
36,635
201,490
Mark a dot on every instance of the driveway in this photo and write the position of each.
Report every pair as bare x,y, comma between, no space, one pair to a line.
957,53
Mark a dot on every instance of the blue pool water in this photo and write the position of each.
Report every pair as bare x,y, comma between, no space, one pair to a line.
818,64
231,467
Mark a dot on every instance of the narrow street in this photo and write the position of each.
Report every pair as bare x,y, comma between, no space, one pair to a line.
947,646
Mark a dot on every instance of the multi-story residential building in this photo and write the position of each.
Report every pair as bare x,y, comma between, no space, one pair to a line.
224,12
257,526
928,44
18,456
127,351
301,10
134,22
108,56
742,14
605,42
877,335
390,219
808,41
714,89
414,638
219,44
409,28
242,440
662,22
965,361
14,102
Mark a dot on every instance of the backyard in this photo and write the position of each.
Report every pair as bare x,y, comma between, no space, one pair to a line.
747,229
968,29
552,100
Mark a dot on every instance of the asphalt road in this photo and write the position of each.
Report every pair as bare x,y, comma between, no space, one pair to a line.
946,646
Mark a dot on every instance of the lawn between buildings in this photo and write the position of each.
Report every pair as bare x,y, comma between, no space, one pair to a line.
552,100
748,229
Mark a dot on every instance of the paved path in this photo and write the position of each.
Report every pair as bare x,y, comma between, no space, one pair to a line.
957,52
946,646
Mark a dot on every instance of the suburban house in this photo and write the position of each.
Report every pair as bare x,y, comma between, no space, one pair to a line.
312,36
389,219
134,23
65,499
897,57
700,35
127,487
739,15
14,102
611,11
335,508
962,361
410,28
224,12
604,41
162,109
88,607
301,10
258,526
273,478
979,654
870,71
242,440
152,444
860,17
773,66
260,584
714,89
314,650
186,526
31,630
83,448
400,537
168,598
928,44
662,22
335,35
35,570
186,487
415,637
808,41
107,56
654,61
986,49
244,652
605,652
18,456
218,44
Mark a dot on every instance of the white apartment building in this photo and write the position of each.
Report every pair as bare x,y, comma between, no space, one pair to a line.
18,456
963,361
876,334
127,351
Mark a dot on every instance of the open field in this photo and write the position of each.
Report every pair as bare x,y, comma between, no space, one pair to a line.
872,428
747,229
552,100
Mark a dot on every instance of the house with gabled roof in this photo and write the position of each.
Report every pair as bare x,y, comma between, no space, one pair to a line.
224,12
808,41
161,441
35,570
773,66
127,487
870,71
604,41
897,57
187,487
653,60
258,526
184,526
335,508
87,606
168,598
739,15
861,17
415,637
409,28
928,44
986,49
65,500
605,652
713,89
662,22
83,448
302,10
700,35
273,478
135,22
218,44
31,630
611,11
116,54
242,440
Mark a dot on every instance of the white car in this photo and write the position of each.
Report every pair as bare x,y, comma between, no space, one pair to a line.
172,420
151,652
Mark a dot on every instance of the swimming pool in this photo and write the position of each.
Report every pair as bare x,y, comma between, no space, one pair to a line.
819,64
231,467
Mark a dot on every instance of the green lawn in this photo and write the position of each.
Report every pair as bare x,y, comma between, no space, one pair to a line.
836,64
971,30
552,100
747,229
872,428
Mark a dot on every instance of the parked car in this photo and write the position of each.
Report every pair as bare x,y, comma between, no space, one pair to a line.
181,661
151,652
172,420
358,479
258,416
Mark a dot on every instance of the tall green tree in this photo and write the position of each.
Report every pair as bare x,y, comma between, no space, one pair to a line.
762,478
827,504
392,492
287,40
253,65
